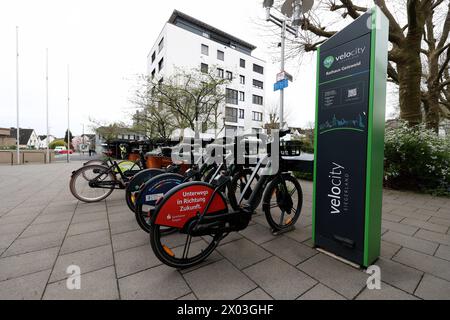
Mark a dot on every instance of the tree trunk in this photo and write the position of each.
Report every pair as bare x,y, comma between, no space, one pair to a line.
409,74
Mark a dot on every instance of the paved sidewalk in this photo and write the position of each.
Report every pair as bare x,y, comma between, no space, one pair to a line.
43,230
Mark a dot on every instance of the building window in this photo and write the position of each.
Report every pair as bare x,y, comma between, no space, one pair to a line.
230,131
242,79
205,50
204,126
161,64
153,74
242,63
241,96
241,113
258,69
220,55
153,57
161,45
229,75
258,84
257,100
231,114
220,73
231,96
257,116
204,68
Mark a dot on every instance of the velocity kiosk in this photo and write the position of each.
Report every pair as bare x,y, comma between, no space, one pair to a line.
349,139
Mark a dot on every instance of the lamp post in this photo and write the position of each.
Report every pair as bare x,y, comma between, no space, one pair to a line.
17,97
46,105
291,11
68,114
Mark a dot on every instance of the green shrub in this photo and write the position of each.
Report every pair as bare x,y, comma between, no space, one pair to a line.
57,143
417,159
303,175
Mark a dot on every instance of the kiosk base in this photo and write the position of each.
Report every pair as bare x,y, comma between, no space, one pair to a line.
352,264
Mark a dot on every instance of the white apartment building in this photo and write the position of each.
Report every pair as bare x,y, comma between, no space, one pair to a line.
188,43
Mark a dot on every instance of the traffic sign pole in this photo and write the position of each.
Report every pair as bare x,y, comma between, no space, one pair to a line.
283,43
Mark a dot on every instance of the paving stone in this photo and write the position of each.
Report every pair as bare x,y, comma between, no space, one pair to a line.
336,275
257,233
15,228
233,236
88,260
231,283
409,212
443,252
134,260
7,239
243,253
392,217
410,242
25,218
425,225
443,213
300,234
399,227
188,297
131,239
125,226
289,250
434,236
388,250
16,266
432,288
96,285
159,283
425,263
257,294
44,228
86,227
56,217
321,292
29,287
36,243
78,218
440,221
398,275
279,279
386,292
85,241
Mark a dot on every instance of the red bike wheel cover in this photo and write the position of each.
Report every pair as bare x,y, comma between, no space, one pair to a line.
185,203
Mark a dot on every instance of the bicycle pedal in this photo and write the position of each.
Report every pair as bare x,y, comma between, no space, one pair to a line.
280,232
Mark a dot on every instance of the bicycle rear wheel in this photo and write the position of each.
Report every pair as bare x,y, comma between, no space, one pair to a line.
79,183
282,202
180,250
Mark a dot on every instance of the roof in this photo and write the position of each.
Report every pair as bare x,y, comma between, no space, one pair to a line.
177,14
25,135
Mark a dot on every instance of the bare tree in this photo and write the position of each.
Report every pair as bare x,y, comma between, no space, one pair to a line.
184,100
409,21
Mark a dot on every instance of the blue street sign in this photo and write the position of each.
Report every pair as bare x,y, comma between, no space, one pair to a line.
281,85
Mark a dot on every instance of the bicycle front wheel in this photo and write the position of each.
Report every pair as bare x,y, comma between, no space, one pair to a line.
80,183
282,204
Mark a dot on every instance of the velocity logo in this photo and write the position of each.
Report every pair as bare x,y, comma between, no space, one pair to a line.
338,194
328,62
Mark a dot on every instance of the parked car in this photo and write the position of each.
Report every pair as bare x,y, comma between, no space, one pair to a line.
65,151
59,149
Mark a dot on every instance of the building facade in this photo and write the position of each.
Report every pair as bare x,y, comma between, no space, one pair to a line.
28,138
187,43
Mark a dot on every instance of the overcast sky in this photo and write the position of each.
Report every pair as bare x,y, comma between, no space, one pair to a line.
106,43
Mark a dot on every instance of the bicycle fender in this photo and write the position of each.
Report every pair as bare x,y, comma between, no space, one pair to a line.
142,177
187,200
157,187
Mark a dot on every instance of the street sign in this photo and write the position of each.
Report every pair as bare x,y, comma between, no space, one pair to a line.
284,75
281,85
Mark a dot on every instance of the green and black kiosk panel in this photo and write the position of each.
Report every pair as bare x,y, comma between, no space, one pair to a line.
349,139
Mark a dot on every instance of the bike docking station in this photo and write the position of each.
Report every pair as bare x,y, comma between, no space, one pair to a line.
349,140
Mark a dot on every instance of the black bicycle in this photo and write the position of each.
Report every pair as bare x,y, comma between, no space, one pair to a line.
95,182
200,213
